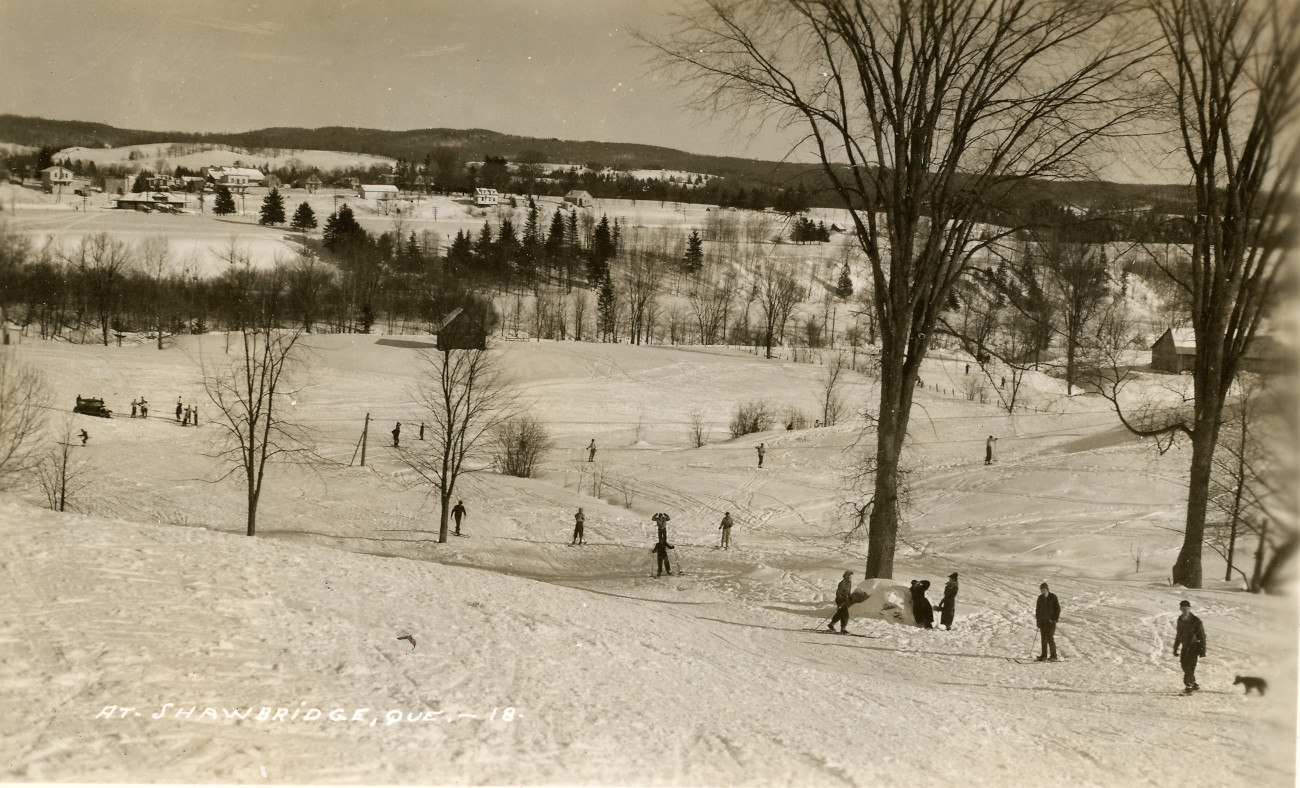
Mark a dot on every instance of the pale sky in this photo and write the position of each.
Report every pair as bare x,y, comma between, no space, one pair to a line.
547,68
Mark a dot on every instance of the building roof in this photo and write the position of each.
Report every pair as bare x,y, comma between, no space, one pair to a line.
1184,341
247,172
152,197
1262,346
56,168
577,193
377,187
482,192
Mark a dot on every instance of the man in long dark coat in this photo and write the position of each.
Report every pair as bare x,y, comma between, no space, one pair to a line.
948,606
1047,612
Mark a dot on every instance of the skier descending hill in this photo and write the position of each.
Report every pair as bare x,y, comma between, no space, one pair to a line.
843,598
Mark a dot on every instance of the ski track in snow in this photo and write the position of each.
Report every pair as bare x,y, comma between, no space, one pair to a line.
720,676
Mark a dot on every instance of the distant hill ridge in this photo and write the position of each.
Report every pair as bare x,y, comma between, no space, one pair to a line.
477,144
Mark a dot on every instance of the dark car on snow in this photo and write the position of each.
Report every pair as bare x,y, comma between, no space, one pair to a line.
92,406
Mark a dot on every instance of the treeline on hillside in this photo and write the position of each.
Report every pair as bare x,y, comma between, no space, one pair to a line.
439,157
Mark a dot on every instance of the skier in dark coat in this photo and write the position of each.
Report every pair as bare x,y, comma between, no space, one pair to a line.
660,550
921,609
1046,613
948,605
397,434
591,451
579,520
843,597
1191,638
726,530
761,451
458,511
180,407
85,436
988,450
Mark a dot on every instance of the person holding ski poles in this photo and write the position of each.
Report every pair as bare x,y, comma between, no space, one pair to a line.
843,594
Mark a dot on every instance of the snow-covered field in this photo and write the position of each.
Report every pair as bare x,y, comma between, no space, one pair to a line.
535,662
196,155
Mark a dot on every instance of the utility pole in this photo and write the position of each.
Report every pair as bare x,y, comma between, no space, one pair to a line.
364,432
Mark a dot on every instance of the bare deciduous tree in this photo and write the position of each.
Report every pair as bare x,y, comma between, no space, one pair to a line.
922,114
778,293
100,262
463,397
154,254
698,431
60,474
253,393
833,405
22,414
1230,72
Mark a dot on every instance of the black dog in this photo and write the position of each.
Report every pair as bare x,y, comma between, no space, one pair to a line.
1252,682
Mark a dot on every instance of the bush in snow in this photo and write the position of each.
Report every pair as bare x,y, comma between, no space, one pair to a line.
750,417
519,444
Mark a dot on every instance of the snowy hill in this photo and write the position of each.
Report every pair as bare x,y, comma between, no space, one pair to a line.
719,676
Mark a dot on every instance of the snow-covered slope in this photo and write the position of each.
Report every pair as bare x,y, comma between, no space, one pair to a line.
719,676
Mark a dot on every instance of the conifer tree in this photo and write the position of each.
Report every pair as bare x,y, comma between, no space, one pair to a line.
225,203
342,229
606,303
272,208
304,218
844,287
413,254
693,260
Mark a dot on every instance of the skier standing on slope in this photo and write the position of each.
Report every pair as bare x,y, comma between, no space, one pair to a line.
843,595
579,520
1191,637
397,434
660,550
761,451
988,450
591,451
1046,613
726,530
948,606
458,511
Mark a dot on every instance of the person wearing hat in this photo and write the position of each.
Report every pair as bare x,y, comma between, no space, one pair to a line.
948,607
843,595
1191,637
726,530
1046,614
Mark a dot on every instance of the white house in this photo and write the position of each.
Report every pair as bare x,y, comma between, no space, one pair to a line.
237,179
377,191
55,176
484,197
